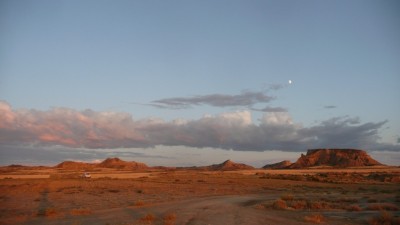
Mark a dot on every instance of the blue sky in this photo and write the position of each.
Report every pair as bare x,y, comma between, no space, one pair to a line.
224,60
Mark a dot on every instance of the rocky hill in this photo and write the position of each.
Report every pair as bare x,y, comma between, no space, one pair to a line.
71,165
229,165
117,163
279,165
334,158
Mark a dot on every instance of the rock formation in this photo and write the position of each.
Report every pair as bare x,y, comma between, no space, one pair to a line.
334,158
279,165
117,163
71,165
229,165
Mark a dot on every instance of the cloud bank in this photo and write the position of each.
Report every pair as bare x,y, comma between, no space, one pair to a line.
247,98
232,130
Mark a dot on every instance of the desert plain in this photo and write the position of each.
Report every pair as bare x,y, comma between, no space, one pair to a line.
52,195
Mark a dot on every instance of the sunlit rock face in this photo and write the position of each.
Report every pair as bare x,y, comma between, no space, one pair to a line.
334,158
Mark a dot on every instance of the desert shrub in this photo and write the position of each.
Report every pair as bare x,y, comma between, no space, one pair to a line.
169,219
384,218
372,200
279,204
315,218
139,203
354,208
113,190
318,205
148,218
48,212
383,206
259,206
298,204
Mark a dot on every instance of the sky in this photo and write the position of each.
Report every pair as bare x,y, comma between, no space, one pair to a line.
197,82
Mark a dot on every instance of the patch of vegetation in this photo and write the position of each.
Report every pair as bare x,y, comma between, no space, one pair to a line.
139,203
169,219
148,218
287,197
354,208
315,218
81,211
279,204
384,218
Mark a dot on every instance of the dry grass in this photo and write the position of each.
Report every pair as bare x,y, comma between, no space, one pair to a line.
354,208
315,218
139,203
279,204
287,197
384,218
49,212
299,204
148,218
318,205
80,212
169,219
383,206
68,197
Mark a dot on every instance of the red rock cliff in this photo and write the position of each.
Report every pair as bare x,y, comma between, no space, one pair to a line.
335,158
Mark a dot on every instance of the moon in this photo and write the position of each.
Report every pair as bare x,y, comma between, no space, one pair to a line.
290,81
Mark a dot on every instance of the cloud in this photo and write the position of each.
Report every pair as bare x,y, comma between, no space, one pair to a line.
231,130
270,109
247,98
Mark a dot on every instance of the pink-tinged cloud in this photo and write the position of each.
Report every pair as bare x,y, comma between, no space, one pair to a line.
232,130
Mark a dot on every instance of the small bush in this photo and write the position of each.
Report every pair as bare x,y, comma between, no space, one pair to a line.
279,204
139,203
384,218
315,218
48,212
299,204
148,218
169,219
318,205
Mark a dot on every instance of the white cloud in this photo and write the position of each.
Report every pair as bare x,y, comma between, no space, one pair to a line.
230,130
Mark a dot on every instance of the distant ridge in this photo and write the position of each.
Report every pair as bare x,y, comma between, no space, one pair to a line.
121,164
115,163
280,165
71,165
229,165
334,158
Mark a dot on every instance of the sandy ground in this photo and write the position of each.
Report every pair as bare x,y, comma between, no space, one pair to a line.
353,196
